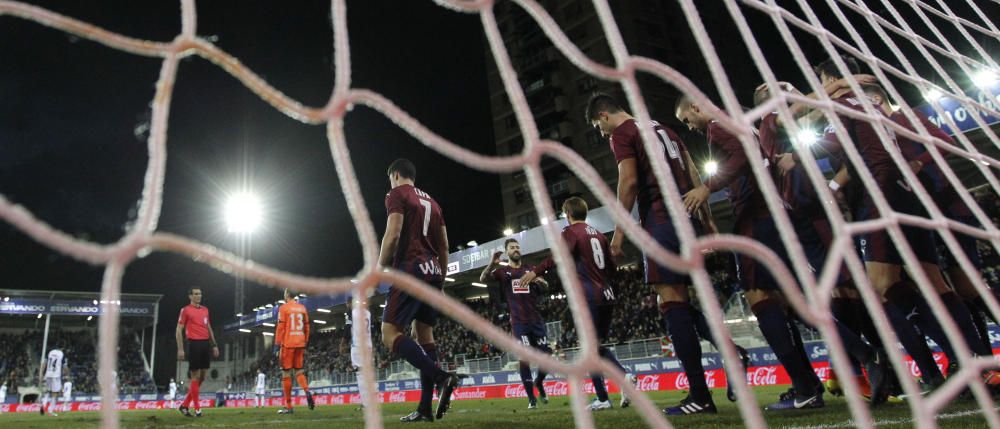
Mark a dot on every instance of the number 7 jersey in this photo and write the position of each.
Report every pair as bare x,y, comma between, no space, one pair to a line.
417,250
293,326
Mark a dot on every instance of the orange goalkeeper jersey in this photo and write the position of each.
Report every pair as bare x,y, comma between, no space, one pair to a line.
293,325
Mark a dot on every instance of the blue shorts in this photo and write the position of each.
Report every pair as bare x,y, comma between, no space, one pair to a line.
968,243
602,315
877,246
531,335
754,275
816,235
666,236
401,309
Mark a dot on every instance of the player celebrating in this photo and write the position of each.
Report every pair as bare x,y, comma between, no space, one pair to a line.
525,320
357,343
882,260
193,324
50,377
637,185
754,221
589,249
415,243
290,338
258,389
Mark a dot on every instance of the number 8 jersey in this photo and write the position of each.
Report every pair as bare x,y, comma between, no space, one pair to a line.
592,258
423,222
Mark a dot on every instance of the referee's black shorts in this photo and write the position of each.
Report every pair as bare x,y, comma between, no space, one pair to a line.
199,354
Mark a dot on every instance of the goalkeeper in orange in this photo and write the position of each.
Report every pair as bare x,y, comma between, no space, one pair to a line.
290,339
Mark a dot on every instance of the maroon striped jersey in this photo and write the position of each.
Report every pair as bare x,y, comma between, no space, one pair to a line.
734,174
626,143
862,134
417,250
592,258
520,299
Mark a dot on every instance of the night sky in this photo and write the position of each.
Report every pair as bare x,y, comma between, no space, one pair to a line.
72,115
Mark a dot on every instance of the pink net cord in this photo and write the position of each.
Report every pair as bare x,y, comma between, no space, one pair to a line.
142,237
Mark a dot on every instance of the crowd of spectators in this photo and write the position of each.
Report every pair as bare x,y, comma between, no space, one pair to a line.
79,348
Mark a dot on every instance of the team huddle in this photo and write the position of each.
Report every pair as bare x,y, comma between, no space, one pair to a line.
416,243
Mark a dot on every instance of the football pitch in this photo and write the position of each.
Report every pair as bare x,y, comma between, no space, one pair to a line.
508,414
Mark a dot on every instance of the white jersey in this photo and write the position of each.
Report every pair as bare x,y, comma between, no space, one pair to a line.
54,365
67,391
367,336
3,394
173,389
261,379
366,339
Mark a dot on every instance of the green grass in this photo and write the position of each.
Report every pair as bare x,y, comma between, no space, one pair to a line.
502,414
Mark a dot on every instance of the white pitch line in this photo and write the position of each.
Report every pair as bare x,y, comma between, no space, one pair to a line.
881,422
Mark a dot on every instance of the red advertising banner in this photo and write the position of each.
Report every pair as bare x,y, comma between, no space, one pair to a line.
768,375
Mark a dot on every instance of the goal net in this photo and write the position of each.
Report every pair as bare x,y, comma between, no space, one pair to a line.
887,37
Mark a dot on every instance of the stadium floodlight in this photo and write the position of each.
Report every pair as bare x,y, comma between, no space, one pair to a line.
245,331
89,318
243,213
269,325
39,315
449,279
239,314
472,243
322,310
933,95
806,137
281,301
268,334
6,298
984,78
269,306
477,284
321,322
508,231
382,305
711,167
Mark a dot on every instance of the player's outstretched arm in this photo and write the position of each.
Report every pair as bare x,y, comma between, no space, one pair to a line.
393,227
485,275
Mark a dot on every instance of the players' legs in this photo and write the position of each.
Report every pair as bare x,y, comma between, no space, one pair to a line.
425,337
679,318
769,308
900,301
286,381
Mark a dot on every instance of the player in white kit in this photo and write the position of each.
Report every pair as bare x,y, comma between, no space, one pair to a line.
356,343
50,378
67,395
172,392
3,395
258,390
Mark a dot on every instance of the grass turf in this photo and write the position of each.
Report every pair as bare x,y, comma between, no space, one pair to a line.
507,413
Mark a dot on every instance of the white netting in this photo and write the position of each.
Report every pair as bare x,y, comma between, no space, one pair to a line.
141,236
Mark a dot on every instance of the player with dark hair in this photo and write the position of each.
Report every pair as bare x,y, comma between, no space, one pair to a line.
882,260
50,374
594,268
753,220
815,234
194,324
415,243
290,338
522,301
637,184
